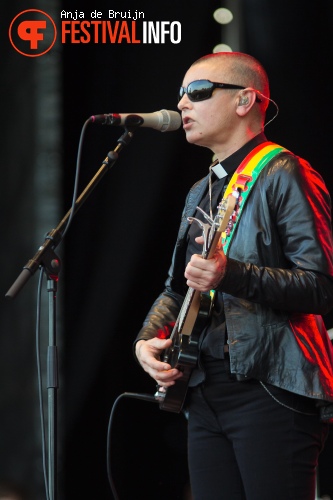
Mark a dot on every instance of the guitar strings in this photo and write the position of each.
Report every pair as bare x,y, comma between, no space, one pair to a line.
210,191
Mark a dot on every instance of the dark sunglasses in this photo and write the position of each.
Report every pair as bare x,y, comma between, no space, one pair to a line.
200,90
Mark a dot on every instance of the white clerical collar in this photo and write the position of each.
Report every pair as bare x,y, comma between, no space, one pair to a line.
219,171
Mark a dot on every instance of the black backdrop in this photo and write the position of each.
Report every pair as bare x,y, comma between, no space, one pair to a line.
117,252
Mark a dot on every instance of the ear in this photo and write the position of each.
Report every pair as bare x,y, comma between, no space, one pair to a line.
245,102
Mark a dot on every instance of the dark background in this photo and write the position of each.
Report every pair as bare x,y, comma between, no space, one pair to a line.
117,252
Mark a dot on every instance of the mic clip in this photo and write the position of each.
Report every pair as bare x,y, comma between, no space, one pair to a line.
131,121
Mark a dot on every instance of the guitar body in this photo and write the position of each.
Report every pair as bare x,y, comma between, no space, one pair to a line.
183,355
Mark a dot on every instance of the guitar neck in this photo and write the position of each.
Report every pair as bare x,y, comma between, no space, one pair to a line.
191,305
216,240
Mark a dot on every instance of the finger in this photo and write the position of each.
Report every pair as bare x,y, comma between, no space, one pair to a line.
200,240
167,379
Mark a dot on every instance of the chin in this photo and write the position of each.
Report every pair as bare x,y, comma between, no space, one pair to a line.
193,138
198,141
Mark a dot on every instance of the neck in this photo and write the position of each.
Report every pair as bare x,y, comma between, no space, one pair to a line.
225,149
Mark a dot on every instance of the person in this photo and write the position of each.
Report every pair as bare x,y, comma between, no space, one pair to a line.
260,391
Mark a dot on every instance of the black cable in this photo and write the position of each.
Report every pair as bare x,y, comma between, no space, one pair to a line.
143,397
39,377
77,176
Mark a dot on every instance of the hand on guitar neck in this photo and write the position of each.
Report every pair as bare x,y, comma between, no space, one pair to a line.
205,274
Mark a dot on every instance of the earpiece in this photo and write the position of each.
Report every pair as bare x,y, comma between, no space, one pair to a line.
243,101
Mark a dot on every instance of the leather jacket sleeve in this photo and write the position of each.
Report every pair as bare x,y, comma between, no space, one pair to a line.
281,255
294,290
162,314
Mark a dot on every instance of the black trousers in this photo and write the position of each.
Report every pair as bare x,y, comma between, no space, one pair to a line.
247,441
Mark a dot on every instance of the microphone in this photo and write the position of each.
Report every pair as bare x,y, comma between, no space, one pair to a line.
163,120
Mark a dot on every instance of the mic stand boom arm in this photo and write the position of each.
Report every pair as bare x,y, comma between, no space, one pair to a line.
54,237
49,261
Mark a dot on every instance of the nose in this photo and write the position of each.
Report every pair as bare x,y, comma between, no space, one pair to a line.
184,103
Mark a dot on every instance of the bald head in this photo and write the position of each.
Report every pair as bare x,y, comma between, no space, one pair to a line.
240,69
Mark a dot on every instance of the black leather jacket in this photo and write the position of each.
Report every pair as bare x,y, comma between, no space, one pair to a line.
278,280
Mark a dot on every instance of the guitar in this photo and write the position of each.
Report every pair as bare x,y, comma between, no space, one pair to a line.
194,313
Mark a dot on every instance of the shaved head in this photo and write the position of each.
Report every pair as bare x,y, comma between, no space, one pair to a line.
240,69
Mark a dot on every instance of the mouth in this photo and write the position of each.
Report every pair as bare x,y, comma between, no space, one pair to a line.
187,122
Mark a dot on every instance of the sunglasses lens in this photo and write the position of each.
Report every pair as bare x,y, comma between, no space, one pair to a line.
181,93
198,90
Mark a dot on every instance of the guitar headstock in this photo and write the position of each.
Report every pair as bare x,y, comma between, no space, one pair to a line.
225,210
212,230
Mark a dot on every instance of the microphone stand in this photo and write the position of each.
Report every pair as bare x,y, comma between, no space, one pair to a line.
47,259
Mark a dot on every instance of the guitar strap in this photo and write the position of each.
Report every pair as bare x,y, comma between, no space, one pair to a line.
244,179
